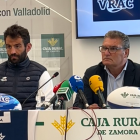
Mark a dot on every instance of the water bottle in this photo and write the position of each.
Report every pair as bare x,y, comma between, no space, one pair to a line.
40,100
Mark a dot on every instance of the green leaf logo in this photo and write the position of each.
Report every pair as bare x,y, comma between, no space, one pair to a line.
124,95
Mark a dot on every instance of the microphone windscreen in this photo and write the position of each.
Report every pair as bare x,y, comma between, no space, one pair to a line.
65,90
67,84
55,89
96,83
76,83
55,74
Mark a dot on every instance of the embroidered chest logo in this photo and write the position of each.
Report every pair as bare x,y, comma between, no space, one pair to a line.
4,79
27,78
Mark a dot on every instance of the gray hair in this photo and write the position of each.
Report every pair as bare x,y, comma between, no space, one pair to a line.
117,34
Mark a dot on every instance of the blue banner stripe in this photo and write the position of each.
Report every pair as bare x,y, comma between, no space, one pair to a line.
18,128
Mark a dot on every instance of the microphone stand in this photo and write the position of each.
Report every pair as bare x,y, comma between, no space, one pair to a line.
81,103
84,100
62,105
54,75
59,104
101,99
53,105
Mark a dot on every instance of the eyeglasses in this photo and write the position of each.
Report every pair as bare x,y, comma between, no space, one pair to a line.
112,49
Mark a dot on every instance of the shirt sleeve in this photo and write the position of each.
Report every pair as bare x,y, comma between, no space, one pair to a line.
46,90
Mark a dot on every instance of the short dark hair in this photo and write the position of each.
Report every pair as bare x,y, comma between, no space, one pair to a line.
117,34
15,31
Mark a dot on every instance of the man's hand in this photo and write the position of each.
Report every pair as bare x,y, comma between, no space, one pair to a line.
94,106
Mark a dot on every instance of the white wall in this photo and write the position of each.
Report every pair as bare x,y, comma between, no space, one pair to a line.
55,23
58,22
85,51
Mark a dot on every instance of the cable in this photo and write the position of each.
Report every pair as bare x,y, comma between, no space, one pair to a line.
66,124
95,124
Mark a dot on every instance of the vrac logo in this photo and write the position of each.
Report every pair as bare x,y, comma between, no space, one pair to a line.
4,99
62,126
114,6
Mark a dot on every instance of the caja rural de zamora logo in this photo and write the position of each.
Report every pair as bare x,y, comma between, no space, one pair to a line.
52,41
1,43
124,95
62,125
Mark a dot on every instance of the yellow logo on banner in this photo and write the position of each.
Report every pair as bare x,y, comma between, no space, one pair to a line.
62,126
52,41
1,43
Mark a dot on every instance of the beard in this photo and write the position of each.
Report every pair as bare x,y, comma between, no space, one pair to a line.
15,59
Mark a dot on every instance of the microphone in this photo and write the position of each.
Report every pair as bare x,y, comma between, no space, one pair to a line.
64,93
55,89
54,75
78,86
54,98
96,84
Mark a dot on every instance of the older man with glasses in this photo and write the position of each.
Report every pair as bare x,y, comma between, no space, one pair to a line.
116,70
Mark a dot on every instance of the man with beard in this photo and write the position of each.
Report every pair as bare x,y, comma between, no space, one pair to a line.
116,70
20,77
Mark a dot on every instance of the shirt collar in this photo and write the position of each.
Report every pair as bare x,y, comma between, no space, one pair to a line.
21,65
125,67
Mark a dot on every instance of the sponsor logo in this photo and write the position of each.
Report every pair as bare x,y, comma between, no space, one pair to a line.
42,11
124,95
99,78
114,6
77,77
4,79
52,41
1,136
52,45
28,78
1,43
62,125
4,99
135,95
3,52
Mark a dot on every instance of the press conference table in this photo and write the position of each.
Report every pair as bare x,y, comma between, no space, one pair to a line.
50,125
